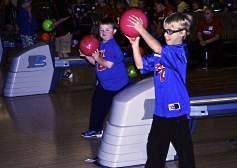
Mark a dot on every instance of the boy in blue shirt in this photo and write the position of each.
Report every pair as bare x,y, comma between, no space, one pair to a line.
111,73
172,105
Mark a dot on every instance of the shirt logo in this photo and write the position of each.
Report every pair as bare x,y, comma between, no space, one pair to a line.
160,69
101,67
174,106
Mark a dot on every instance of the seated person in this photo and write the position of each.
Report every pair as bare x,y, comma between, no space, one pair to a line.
120,7
209,38
197,6
102,9
230,6
182,6
80,12
163,9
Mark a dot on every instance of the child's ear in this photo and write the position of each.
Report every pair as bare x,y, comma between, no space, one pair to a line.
183,33
115,30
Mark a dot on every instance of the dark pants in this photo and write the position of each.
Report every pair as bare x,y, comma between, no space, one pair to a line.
101,102
166,130
214,53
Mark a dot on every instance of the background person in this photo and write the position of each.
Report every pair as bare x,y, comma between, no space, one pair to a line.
26,23
209,38
64,27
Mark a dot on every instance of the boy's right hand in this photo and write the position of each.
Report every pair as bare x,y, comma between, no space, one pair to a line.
136,23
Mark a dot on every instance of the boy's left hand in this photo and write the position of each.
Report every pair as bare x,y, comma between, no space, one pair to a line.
96,54
134,41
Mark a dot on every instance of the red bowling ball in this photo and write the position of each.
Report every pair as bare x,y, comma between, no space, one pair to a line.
89,44
45,37
129,31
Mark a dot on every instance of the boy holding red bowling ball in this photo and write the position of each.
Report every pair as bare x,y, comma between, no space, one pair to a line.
172,105
111,74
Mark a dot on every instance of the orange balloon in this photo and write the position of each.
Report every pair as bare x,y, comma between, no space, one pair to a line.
142,52
45,37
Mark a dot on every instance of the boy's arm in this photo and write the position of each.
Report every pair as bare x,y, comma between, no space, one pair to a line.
149,39
88,58
56,23
96,58
101,60
136,52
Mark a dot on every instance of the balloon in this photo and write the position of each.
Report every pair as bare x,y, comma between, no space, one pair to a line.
89,44
129,31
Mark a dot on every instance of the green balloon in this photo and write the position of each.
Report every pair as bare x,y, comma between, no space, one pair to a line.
132,73
47,25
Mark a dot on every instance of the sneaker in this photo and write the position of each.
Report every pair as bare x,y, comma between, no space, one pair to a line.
233,142
92,134
67,75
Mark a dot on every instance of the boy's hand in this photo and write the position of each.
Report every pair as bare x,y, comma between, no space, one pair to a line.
96,54
134,41
137,23
83,55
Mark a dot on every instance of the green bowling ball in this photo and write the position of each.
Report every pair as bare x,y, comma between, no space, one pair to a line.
47,25
132,73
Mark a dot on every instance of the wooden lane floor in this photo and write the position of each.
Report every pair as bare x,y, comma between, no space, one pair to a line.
44,130
211,136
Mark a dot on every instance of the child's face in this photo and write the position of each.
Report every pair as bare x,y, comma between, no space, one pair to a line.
158,7
173,34
27,4
106,32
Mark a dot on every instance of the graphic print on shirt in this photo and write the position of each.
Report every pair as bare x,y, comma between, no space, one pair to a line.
208,32
160,69
100,67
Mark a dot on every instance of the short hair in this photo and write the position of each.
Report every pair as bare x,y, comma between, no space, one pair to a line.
24,1
209,9
184,20
109,21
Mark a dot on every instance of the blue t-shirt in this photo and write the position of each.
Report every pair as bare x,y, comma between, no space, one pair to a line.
25,27
116,77
169,67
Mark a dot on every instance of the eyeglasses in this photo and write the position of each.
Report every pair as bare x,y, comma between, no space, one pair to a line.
170,32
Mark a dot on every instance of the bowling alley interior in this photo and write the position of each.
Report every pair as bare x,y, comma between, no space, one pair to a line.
43,115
